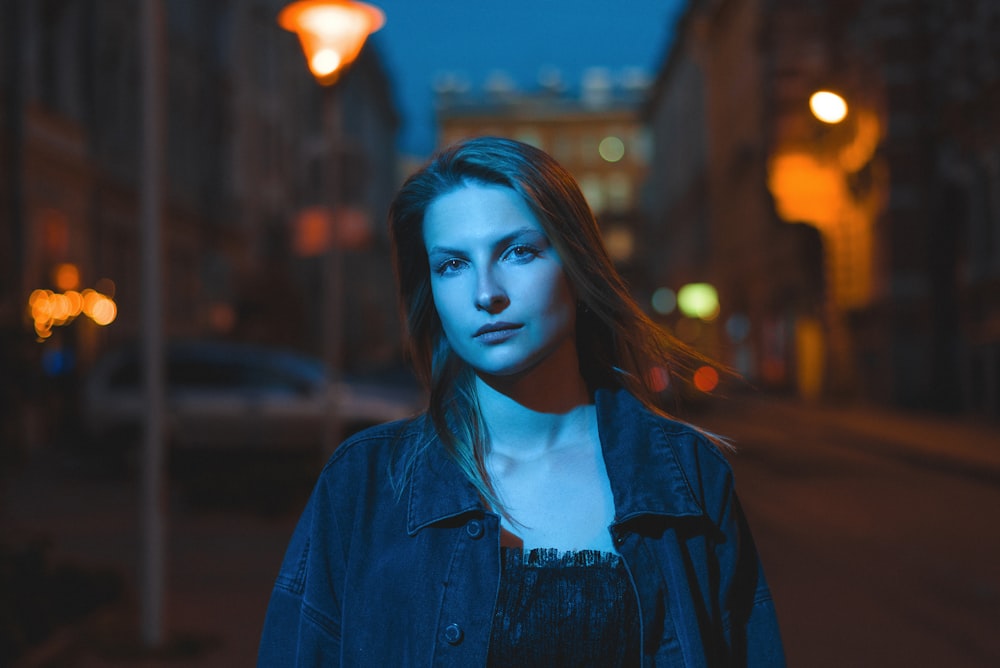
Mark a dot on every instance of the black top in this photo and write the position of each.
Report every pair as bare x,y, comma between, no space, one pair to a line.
564,609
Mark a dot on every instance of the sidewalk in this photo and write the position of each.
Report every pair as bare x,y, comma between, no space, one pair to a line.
965,445
220,565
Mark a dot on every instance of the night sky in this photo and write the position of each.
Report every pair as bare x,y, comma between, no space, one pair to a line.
471,39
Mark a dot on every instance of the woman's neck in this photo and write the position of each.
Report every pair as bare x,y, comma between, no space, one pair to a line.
541,410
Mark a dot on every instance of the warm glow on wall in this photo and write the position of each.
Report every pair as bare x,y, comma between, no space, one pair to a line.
859,151
809,347
816,184
828,106
806,190
331,32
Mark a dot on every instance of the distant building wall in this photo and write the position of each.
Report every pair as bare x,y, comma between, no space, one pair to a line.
882,228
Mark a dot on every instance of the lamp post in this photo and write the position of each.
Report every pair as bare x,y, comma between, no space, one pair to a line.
332,33
152,567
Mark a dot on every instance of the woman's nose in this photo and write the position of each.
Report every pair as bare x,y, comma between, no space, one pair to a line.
490,295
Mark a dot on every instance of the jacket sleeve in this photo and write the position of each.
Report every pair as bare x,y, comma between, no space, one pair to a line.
302,625
749,618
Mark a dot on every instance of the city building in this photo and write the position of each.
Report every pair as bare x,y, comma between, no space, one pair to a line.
854,257
591,127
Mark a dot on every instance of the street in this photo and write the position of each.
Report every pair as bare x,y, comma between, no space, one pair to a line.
878,534
879,552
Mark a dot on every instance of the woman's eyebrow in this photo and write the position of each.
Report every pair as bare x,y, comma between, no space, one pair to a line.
441,250
502,241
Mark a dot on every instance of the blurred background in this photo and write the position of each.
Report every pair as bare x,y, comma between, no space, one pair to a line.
808,192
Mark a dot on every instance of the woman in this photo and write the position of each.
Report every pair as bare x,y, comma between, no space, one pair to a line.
543,511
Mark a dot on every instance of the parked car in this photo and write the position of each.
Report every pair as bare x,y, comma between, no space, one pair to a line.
225,395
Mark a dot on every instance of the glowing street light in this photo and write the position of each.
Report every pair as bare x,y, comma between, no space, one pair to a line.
828,106
331,32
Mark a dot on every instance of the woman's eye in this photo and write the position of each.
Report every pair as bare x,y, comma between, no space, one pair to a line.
522,252
448,266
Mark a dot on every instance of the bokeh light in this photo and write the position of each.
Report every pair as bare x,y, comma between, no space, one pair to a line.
658,379
105,311
664,301
828,106
698,300
611,148
706,379
48,309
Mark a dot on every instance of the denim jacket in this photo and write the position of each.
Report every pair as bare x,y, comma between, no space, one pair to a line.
373,577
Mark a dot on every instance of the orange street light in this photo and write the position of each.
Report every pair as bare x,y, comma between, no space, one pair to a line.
331,32
828,106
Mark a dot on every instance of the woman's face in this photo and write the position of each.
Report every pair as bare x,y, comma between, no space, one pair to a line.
498,284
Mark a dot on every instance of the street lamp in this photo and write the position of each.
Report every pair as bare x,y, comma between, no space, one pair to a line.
827,106
332,33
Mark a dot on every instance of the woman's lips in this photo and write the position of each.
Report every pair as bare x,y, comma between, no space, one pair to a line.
496,332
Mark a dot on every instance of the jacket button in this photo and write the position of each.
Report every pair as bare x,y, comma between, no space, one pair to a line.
453,634
474,529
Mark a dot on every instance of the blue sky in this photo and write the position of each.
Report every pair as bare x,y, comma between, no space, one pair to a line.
423,39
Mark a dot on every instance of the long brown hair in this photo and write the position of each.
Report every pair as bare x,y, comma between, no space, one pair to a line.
618,344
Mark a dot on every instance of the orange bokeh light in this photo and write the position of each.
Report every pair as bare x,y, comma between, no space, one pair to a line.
50,309
706,379
105,311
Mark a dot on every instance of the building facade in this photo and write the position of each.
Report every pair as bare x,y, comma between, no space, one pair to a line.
854,259
592,129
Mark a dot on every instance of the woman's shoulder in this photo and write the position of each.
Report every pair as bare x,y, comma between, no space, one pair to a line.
376,448
627,412
380,442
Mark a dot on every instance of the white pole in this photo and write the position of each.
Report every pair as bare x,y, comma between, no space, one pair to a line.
153,519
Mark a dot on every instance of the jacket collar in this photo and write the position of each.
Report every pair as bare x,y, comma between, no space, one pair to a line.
641,457
639,453
439,490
